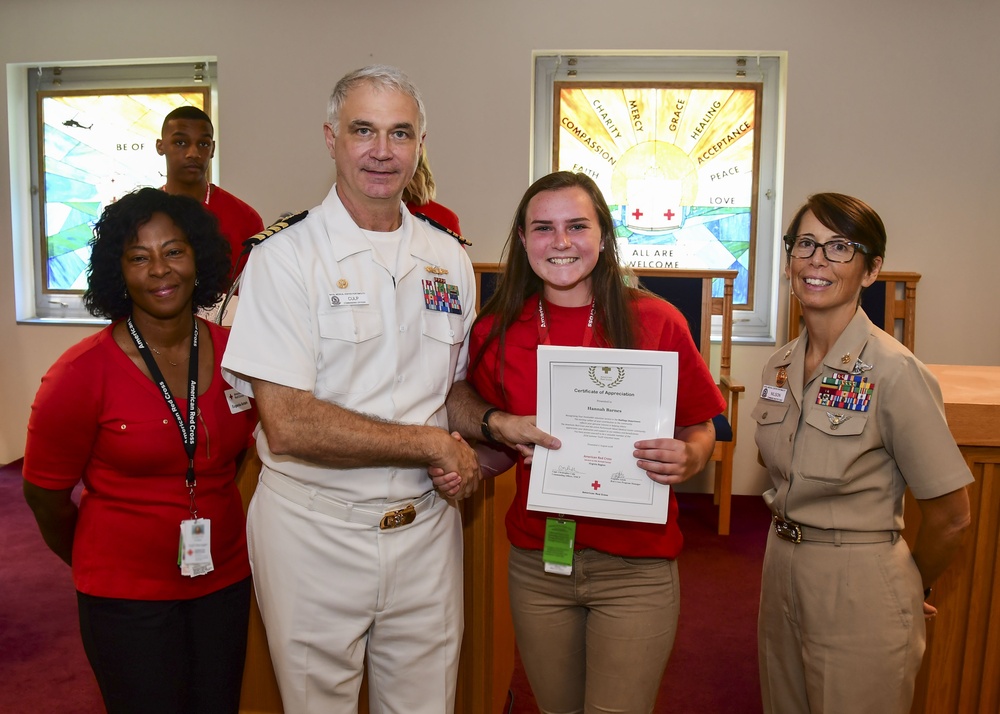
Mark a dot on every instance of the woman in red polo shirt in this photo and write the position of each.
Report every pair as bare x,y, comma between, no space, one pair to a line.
599,638
139,412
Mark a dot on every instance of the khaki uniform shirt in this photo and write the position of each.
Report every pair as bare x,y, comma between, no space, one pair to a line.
835,466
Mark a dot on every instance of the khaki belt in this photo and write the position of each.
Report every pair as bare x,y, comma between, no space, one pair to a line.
345,511
796,533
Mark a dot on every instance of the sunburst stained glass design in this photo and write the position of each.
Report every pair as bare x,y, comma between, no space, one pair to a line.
95,148
677,165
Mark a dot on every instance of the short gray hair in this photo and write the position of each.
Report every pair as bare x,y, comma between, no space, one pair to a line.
377,75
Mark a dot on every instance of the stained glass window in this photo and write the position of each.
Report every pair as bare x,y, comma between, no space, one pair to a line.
686,147
676,164
94,147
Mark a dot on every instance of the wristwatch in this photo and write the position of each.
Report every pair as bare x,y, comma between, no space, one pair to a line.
484,424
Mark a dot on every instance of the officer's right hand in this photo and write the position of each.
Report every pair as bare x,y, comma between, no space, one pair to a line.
455,457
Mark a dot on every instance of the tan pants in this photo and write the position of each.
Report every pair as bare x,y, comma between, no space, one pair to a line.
841,628
597,640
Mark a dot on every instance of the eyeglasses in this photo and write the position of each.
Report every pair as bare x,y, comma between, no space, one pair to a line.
836,251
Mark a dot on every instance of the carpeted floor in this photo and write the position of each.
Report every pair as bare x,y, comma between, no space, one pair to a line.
43,668
713,668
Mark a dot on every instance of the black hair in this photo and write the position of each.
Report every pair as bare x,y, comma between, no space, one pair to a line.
119,224
187,113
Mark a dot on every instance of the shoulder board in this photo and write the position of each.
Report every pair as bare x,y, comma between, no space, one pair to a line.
440,227
288,219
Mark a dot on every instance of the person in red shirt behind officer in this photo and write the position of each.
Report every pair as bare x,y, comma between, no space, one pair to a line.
187,141
419,197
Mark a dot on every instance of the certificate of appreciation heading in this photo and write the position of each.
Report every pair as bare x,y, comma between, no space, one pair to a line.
598,403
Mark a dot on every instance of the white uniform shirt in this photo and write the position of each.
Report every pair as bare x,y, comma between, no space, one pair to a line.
320,313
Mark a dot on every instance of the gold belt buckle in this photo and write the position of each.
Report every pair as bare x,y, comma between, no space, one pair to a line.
787,531
401,517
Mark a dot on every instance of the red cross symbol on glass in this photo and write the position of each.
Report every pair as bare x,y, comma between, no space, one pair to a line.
669,214
596,485
637,214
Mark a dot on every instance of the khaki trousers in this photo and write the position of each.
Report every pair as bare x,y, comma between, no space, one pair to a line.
841,628
597,640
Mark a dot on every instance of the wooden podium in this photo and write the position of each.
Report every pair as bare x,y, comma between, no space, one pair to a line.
961,667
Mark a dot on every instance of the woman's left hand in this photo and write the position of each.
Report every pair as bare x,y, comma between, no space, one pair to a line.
673,461
665,460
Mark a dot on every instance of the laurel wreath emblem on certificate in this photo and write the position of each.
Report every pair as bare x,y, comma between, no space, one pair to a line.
605,378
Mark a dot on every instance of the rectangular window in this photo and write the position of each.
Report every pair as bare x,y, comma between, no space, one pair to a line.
685,149
90,137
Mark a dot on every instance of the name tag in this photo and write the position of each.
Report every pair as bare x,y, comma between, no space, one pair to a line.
773,394
194,555
237,400
348,299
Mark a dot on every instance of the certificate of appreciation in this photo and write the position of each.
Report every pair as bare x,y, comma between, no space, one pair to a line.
598,403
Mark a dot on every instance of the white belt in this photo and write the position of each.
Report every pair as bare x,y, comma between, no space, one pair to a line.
345,511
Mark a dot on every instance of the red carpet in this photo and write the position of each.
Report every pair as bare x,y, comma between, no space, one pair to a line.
44,669
713,668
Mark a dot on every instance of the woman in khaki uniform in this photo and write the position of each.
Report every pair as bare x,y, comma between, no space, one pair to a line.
847,419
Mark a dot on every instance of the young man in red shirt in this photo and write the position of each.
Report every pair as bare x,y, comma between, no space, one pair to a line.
187,140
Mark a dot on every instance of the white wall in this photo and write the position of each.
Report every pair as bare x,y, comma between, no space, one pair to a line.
894,101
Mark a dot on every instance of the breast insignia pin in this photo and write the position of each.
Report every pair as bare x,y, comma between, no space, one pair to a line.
837,419
341,283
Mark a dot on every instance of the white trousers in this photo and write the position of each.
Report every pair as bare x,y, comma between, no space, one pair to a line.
327,589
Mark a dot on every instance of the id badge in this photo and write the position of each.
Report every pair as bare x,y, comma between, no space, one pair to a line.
238,402
194,554
557,551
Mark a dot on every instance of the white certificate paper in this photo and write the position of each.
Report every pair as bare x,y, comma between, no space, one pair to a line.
598,403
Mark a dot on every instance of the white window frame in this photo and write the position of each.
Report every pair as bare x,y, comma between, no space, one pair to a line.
31,304
757,324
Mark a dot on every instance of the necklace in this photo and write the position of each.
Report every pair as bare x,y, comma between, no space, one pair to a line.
175,364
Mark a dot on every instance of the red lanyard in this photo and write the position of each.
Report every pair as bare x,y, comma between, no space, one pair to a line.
543,326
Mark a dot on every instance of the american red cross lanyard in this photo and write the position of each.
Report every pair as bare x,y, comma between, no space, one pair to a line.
189,431
543,325
560,531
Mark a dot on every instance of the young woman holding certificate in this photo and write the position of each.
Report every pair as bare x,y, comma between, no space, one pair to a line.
598,638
